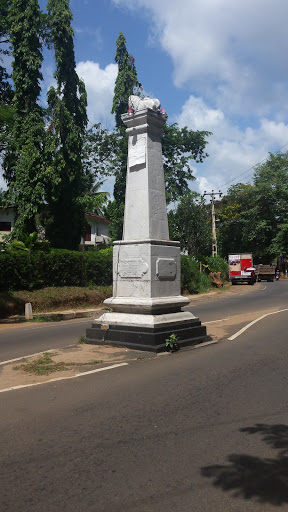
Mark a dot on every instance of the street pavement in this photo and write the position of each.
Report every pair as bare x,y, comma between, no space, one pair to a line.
193,431
197,430
28,338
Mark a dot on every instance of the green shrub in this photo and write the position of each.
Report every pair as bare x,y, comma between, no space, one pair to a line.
98,267
64,268
190,275
205,283
16,271
21,270
192,280
217,264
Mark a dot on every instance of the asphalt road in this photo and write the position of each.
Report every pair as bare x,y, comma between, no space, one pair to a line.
195,431
263,296
24,339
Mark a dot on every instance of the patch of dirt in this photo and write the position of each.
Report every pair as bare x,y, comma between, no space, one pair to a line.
79,354
221,329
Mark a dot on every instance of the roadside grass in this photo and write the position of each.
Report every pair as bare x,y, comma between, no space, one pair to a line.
44,365
59,299
41,318
50,299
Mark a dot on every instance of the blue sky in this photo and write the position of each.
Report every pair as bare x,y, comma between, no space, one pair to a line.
216,65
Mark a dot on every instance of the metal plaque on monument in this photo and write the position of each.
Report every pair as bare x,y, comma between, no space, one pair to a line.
146,307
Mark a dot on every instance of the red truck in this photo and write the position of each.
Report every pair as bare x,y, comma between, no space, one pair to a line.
241,268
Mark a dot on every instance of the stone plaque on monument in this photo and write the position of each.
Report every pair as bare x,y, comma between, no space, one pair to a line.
132,268
137,151
166,268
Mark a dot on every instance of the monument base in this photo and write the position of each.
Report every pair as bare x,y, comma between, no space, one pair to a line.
146,332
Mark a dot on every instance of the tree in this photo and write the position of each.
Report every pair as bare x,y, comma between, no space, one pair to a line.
270,210
125,85
126,81
179,147
235,223
254,218
6,92
23,163
190,224
68,120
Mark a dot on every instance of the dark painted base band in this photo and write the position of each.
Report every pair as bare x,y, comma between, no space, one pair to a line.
144,338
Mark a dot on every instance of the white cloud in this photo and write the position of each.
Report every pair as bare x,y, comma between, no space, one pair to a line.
231,52
198,116
232,151
100,90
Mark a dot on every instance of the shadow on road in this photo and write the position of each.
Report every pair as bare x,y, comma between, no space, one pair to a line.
253,477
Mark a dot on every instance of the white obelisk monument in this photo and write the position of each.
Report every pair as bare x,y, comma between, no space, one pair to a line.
147,301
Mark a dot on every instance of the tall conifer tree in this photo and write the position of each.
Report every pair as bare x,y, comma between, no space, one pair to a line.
125,84
68,119
24,163
6,92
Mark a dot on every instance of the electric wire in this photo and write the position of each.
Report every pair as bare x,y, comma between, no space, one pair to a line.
252,167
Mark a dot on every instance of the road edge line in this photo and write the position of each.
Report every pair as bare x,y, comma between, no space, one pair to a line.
30,355
231,338
23,386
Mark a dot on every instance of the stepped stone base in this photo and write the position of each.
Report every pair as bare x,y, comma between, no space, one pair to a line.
146,332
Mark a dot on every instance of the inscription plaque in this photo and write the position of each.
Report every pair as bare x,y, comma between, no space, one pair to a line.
132,268
166,269
137,151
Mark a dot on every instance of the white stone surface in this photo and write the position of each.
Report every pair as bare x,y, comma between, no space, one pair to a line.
136,270
139,320
146,304
145,202
146,264
28,311
138,103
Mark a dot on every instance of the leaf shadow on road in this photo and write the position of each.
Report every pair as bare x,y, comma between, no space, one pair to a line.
250,477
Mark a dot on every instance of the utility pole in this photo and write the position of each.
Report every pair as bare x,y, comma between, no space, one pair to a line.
214,238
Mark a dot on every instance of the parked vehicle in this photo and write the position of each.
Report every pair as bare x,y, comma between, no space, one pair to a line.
241,268
265,272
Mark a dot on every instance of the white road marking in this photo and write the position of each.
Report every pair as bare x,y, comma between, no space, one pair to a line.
101,369
254,322
30,355
204,344
63,378
214,321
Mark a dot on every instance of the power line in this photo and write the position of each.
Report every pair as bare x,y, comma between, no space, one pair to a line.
253,167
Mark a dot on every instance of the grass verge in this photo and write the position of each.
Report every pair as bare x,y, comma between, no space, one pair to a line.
51,299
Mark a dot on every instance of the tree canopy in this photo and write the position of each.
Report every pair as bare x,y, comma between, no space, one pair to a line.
23,162
67,123
190,223
254,218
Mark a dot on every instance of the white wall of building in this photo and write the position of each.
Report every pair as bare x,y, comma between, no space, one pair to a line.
6,216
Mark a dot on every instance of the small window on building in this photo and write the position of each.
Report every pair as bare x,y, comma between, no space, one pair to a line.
88,234
5,226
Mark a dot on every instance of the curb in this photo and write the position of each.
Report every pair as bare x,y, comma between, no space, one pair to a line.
52,317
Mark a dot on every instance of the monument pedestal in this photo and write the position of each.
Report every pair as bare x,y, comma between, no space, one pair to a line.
147,303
